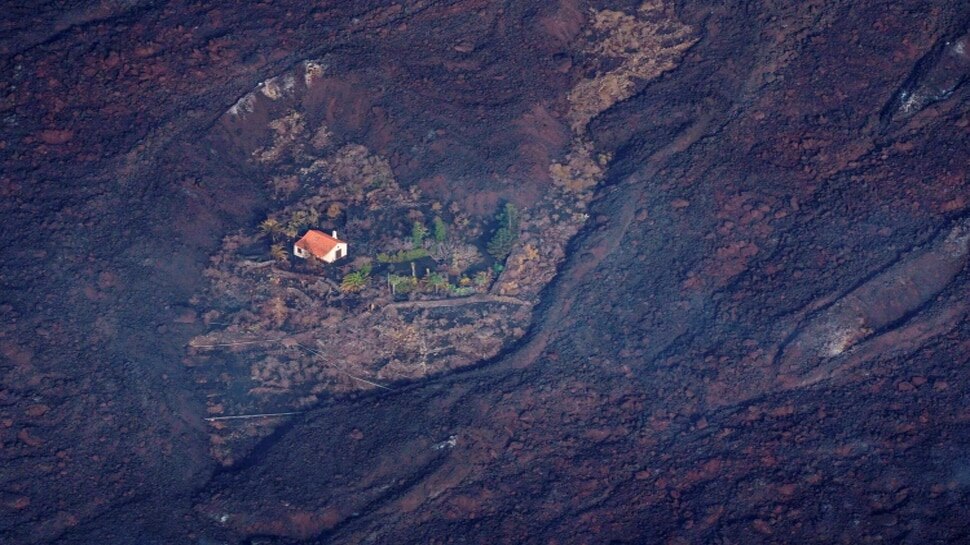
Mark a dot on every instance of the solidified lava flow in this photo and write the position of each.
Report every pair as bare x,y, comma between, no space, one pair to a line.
613,272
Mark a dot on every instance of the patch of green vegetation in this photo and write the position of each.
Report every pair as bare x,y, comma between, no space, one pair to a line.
437,282
440,229
418,233
402,256
462,291
402,284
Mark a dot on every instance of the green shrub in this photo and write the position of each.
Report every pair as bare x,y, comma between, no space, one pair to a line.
402,284
462,291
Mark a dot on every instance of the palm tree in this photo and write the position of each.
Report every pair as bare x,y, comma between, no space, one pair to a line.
279,253
271,227
354,282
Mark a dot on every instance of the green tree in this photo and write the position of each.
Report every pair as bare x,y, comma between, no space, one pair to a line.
418,232
510,217
440,229
502,242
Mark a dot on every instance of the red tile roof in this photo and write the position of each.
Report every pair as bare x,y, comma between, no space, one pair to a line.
317,243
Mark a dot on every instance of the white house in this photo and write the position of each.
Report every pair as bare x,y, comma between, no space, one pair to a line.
320,245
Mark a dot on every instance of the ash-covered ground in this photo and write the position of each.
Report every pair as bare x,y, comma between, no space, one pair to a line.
750,327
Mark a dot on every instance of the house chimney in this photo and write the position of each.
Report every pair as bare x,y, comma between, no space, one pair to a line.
335,235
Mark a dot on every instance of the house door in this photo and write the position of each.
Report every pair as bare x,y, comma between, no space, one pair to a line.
340,253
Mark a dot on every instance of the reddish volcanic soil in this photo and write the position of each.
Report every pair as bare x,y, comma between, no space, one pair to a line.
761,334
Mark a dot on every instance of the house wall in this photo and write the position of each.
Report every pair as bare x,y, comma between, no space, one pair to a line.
332,255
